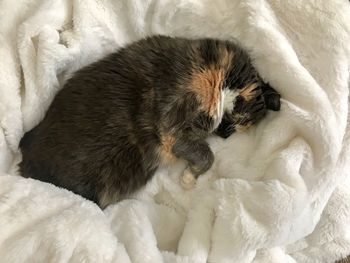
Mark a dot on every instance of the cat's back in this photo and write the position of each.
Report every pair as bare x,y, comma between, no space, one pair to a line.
106,96
104,110
143,58
122,77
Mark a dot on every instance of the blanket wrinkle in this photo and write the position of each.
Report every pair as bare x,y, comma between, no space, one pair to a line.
277,193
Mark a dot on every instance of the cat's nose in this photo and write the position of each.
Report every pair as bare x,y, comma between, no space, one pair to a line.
224,130
223,134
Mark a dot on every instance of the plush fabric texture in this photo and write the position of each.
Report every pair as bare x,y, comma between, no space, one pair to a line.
278,193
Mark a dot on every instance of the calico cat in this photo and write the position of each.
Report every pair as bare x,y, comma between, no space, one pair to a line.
115,121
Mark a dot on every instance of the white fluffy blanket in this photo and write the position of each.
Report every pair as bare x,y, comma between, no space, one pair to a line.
278,193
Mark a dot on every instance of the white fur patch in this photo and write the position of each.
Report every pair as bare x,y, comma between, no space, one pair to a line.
227,99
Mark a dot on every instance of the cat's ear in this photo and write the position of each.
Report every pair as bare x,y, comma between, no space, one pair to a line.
272,98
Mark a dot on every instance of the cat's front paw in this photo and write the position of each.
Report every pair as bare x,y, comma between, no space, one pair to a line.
188,180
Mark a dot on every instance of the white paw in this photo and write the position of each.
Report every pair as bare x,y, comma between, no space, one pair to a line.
187,180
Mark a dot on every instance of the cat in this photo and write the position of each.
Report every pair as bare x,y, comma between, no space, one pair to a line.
154,101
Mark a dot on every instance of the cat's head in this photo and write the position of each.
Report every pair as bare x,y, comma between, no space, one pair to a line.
247,106
230,89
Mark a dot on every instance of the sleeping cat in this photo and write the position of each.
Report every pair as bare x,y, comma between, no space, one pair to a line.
115,121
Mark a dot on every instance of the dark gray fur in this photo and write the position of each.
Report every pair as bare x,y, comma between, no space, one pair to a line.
101,136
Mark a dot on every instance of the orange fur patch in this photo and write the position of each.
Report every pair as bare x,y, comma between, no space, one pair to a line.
207,85
249,92
167,143
242,128
226,58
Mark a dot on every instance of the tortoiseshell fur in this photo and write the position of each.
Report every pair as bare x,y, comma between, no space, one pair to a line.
113,123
